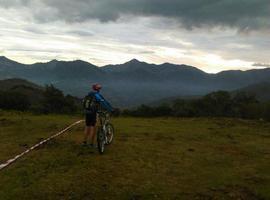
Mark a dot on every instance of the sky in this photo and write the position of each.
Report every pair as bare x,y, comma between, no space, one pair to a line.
212,35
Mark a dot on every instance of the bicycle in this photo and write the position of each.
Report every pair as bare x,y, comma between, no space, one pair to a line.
105,132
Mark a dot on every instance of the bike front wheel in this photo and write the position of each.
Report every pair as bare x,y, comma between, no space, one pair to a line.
110,133
100,140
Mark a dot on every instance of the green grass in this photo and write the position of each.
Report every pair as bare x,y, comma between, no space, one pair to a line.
159,158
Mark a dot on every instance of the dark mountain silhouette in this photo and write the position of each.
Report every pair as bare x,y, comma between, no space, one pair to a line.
10,84
238,79
133,82
33,91
10,68
260,90
20,94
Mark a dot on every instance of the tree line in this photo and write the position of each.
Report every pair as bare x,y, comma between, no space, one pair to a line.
52,101
215,104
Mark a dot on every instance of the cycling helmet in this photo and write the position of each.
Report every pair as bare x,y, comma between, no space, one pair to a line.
96,87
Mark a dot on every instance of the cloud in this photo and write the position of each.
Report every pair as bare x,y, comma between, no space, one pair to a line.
146,52
261,65
81,33
244,15
114,31
34,30
14,3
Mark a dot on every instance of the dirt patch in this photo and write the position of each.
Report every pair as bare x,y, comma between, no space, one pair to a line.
225,123
231,150
6,122
24,145
229,192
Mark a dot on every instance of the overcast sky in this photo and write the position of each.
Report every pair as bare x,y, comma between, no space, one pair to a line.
213,35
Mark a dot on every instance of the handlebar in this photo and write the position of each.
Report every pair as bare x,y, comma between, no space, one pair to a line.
105,114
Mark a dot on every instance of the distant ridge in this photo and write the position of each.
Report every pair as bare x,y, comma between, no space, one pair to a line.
9,84
131,83
260,90
131,62
33,91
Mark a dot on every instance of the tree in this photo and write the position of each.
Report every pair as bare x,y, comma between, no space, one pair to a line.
183,108
144,110
14,101
162,110
55,102
266,111
217,104
242,103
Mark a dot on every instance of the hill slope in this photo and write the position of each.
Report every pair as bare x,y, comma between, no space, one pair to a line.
14,91
260,90
33,91
10,84
149,159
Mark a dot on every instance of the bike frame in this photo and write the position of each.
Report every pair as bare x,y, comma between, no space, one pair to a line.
104,118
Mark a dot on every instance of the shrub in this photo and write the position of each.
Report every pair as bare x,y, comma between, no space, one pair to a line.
14,101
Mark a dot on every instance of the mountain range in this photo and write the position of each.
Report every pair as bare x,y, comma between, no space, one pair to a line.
133,82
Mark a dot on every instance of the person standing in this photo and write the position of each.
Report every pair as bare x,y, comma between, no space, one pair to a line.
92,103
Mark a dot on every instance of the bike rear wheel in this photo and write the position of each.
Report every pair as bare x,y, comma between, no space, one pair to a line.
100,140
109,133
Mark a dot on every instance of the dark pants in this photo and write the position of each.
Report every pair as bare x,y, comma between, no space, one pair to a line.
91,119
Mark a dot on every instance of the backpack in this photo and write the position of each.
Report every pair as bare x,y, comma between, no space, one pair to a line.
90,103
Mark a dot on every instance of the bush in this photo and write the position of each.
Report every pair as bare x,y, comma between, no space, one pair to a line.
54,101
215,104
266,111
163,110
14,101
183,108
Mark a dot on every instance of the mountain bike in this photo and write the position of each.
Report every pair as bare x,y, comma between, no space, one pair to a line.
105,132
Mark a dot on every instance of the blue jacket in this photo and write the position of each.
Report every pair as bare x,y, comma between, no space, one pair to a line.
100,99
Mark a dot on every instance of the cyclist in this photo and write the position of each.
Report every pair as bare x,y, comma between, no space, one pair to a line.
92,103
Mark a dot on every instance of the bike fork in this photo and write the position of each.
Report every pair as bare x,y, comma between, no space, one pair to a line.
105,134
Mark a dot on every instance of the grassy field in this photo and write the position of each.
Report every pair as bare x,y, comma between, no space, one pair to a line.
150,159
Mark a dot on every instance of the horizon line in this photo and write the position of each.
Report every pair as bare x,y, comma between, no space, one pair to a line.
134,59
